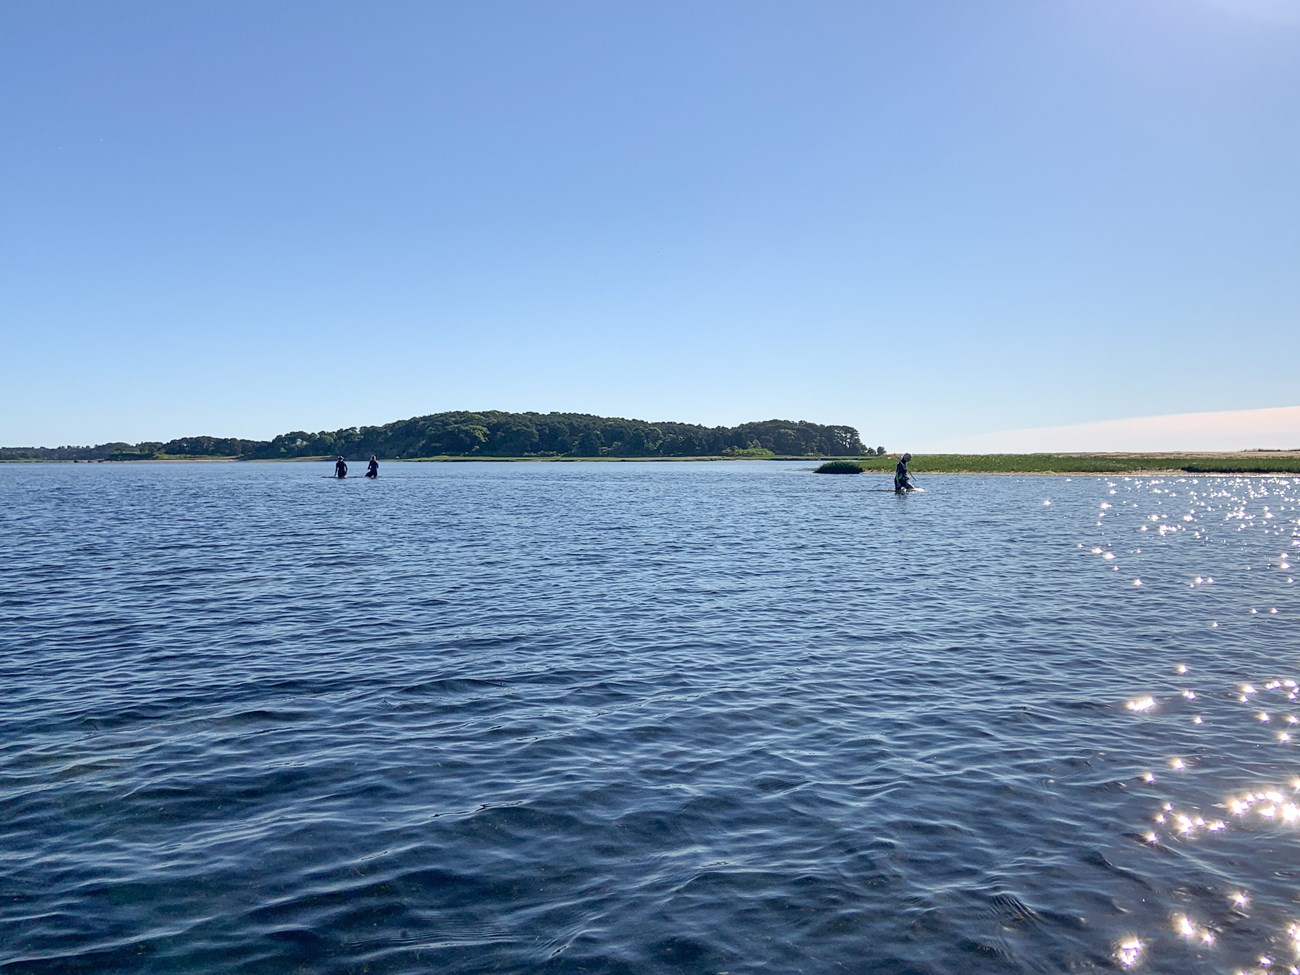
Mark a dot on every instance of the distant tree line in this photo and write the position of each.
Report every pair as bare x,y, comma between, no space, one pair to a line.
147,450
496,434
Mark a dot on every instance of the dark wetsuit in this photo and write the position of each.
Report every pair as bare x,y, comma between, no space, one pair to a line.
902,479
340,469
373,469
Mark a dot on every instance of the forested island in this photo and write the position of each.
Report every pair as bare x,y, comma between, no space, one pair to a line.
494,434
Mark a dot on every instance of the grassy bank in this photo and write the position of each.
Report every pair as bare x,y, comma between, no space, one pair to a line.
1245,462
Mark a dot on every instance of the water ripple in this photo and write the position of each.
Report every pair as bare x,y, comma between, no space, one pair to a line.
645,718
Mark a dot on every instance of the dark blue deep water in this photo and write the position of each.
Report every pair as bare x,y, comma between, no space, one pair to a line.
626,718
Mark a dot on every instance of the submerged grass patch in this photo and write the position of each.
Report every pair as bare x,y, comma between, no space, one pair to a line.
840,467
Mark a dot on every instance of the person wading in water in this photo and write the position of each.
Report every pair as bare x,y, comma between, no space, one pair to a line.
902,478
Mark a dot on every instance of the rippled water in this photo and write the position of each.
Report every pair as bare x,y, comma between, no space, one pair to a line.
645,718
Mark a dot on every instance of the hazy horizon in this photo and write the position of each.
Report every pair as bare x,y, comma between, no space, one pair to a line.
1264,429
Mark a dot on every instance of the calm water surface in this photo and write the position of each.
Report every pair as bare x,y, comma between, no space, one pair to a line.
645,718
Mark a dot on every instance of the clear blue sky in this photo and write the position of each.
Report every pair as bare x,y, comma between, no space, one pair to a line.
928,219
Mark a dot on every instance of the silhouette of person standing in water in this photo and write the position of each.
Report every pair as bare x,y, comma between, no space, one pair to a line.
372,469
340,467
902,477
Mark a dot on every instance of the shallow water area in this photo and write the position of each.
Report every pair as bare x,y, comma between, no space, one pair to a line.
645,717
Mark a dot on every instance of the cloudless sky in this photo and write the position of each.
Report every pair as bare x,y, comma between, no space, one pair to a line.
930,219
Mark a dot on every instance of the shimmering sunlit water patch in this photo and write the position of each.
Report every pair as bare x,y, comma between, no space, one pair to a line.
1226,804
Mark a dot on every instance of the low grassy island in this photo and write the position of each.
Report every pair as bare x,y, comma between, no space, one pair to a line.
841,467
1239,462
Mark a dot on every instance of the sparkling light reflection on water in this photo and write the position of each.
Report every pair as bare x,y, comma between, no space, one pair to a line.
645,717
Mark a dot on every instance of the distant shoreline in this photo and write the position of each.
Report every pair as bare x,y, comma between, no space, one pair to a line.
1265,462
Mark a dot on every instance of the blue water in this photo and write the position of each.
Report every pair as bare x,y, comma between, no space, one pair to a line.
625,718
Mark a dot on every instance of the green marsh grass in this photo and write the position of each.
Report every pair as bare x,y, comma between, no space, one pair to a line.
1251,463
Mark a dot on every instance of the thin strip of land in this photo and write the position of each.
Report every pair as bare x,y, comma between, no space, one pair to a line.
1280,462
1234,462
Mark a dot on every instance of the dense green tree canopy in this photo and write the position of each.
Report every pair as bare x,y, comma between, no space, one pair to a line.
496,434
